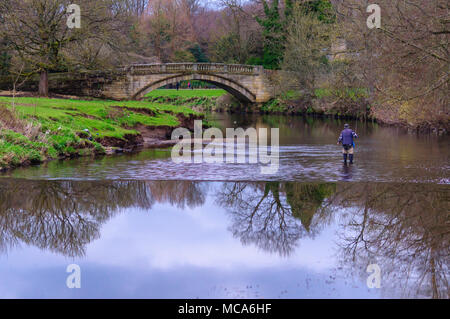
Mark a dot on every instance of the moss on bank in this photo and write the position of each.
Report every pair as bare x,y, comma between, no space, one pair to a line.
325,102
197,93
204,100
34,130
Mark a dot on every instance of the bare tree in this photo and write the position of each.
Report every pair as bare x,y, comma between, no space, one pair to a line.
308,42
63,217
37,30
405,62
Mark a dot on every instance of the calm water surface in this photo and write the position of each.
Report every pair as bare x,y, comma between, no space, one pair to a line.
150,239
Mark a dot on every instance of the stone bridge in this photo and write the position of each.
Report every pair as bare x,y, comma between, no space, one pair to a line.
249,84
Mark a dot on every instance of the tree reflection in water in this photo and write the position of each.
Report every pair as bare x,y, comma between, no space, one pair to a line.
62,216
274,216
179,194
65,216
404,228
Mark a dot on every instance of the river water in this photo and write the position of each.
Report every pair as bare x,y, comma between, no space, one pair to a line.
308,152
140,226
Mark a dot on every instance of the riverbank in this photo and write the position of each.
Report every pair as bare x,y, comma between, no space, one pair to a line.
355,104
351,104
34,130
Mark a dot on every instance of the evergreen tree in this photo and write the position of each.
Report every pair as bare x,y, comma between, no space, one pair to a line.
275,25
198,53
322,8
273,33
289,7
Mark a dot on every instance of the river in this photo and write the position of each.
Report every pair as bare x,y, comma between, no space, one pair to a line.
140,226
308,152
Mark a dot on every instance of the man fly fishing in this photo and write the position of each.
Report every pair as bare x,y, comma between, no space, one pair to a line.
347,140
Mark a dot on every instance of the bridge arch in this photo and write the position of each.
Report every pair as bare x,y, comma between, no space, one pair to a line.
237,90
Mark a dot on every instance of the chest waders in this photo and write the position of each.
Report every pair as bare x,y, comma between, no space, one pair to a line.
347,154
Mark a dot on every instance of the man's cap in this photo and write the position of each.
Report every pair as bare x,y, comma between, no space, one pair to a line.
346,126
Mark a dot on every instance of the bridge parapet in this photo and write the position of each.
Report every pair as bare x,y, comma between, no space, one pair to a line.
167,68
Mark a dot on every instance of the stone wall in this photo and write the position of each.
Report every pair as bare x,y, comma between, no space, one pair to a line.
79,84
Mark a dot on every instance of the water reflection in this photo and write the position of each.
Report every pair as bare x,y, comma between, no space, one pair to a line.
63,216
404,228
178,194
272,215
347,173
66,216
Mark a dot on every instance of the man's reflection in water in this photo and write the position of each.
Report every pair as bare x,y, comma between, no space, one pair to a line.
347,173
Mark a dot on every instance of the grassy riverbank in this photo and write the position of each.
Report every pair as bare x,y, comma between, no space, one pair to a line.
199,99
33,130
197,93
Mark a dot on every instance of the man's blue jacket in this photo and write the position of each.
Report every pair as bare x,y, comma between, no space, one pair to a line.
347,137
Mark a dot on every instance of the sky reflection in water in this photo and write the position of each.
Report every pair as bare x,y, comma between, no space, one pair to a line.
136,239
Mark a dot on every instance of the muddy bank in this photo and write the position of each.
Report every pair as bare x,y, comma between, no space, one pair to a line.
148,136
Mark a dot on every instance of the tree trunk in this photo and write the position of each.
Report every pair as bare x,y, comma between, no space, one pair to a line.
43,83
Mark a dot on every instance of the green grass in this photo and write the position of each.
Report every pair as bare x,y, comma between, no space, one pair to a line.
60,126
199,99
197,93
291,95
102,118
274,106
